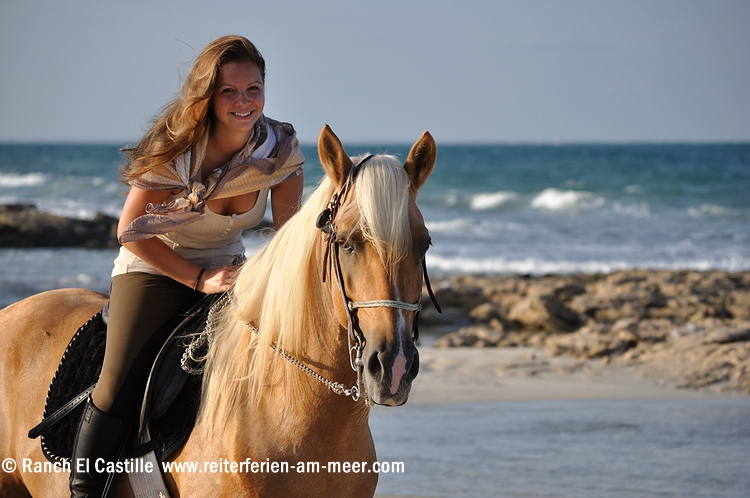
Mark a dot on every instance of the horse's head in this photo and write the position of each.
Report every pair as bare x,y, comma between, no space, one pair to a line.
377,241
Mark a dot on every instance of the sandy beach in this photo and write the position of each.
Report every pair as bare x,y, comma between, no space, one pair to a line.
461,375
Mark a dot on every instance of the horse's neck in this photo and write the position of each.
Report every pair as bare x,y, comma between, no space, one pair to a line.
310,409
310,417
312,402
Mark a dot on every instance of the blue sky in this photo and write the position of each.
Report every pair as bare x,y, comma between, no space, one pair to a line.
383,72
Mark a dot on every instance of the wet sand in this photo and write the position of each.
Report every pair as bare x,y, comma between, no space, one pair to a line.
462,375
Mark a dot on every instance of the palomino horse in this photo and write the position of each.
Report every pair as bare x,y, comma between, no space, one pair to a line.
318,327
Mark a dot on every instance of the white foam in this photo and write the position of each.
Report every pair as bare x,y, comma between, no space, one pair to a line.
635,190
459,224
79,209
492,200
553,199
533,266
708,210
27,180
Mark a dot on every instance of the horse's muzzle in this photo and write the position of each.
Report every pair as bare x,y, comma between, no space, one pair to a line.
389,373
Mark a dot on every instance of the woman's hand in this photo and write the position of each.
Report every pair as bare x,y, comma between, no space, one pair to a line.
217,280
163,258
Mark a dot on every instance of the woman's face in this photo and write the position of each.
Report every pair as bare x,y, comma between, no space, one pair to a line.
238,99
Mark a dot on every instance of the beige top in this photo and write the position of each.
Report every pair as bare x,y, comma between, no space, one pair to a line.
212,241
270,156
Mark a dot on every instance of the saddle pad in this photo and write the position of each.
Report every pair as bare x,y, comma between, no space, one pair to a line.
79,368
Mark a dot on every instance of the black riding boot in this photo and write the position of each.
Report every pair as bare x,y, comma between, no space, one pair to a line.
98,439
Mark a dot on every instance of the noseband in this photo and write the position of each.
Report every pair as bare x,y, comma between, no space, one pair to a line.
326,223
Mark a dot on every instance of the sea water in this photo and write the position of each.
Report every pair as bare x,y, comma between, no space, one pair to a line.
571,449
493,209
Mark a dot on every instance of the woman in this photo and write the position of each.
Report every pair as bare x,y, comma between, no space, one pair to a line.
198,178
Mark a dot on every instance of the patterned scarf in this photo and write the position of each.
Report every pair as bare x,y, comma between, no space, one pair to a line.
271,156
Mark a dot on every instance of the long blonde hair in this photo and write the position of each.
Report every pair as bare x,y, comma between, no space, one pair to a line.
274,290
188,117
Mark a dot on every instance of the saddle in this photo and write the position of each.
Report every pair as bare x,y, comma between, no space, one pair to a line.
170,402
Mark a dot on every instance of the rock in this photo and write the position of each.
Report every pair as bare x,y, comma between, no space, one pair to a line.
484,312
544,313
588,344
453,294
728,335
570,290
689,328
652,331
471,336
22,225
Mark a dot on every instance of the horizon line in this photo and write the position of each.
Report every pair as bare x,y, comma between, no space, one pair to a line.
452,143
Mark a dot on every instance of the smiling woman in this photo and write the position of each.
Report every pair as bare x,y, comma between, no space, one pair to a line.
198,178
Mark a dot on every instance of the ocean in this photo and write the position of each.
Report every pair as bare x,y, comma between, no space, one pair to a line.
566,449
491,209
500,209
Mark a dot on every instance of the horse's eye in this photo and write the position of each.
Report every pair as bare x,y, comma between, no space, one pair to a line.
346,245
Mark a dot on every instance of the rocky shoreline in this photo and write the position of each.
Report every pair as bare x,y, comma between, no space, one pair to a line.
689,329
24,226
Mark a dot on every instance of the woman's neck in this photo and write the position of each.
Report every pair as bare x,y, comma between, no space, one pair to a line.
221,147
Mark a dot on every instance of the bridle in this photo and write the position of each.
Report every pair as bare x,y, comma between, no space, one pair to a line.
356,338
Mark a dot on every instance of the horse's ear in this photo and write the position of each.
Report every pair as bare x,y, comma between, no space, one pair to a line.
333,157
421,160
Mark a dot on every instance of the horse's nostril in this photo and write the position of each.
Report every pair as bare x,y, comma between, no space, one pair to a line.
374,366
414,367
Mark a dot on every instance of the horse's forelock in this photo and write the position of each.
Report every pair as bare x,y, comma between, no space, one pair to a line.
382,199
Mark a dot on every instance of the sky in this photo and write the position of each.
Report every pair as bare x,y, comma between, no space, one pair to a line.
469,71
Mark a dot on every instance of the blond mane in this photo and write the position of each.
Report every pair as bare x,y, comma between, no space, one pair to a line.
278,290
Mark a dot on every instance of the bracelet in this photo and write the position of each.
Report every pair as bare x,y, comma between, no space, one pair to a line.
197,280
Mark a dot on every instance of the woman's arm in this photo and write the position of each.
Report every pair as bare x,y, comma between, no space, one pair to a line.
286,198
161,257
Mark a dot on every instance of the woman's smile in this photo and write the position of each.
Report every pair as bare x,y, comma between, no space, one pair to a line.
239,98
